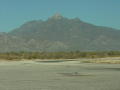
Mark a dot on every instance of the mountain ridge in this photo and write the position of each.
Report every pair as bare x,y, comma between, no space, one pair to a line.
59,33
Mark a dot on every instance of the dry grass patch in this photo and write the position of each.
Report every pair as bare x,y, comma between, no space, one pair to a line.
102,61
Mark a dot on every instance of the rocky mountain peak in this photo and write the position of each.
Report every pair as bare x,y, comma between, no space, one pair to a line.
57,16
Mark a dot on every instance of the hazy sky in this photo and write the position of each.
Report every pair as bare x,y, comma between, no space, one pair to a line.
14,13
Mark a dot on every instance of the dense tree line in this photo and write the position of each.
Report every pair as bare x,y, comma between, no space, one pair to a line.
57,55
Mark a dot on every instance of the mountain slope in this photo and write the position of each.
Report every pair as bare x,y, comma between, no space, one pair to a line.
62,34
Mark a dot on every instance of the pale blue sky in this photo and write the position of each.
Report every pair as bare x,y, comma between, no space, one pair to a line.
14,13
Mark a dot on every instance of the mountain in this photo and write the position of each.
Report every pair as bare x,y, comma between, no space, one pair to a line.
59,33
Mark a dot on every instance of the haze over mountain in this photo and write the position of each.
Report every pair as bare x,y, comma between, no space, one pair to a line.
59,33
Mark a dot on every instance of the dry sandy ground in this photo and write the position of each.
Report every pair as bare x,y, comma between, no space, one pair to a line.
70,75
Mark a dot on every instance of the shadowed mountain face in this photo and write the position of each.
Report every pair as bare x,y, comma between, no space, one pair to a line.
60,34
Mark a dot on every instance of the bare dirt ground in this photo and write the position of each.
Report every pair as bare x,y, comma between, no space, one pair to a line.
70,75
